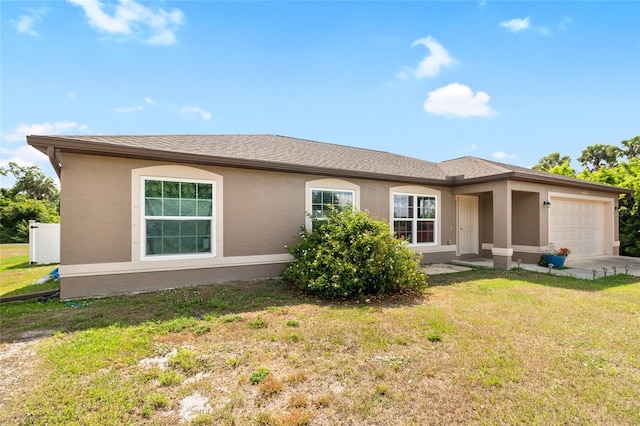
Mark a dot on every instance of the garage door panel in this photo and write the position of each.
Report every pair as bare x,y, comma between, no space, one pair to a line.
577,224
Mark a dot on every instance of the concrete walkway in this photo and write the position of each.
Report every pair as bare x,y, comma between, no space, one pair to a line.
586,268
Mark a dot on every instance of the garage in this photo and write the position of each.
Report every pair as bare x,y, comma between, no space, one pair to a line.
579,225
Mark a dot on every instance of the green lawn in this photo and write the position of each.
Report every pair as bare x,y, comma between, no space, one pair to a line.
17,274
479,347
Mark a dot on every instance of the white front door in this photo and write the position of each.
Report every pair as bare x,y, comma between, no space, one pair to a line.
467,221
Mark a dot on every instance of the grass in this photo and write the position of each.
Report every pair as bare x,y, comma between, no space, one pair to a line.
479,347
18,275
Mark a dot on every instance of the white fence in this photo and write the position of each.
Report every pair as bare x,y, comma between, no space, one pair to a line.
44,243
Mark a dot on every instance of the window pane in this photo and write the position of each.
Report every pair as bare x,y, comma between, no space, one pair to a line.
205,208
203,227
153,188
171,207
188,190
425,232
426,207
402,206
153,207
154,245
188,228
154,228
187,207
171,189
402,229
203,245
316,197
170,245
170,228
205,191
188,244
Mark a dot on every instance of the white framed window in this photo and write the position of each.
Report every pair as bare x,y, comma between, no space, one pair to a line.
324,194
178,216
415,215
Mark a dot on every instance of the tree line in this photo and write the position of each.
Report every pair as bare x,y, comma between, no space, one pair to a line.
34,196
612,165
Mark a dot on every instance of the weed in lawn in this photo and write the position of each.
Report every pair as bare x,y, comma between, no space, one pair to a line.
153,402
322,400
293,323
381,389
201,328
259,375
185,360
170,378
434,337
257,323
230,318
293,337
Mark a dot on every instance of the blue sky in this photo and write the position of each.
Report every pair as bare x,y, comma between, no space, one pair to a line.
508,81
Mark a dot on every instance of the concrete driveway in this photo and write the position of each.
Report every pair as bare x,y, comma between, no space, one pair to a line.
621,264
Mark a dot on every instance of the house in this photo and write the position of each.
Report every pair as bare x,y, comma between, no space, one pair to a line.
141,213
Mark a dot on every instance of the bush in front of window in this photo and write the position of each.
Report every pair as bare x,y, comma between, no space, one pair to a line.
349,254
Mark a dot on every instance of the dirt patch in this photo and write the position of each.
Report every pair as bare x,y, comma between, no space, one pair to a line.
17,361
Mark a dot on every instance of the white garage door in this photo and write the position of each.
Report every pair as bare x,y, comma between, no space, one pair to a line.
578,225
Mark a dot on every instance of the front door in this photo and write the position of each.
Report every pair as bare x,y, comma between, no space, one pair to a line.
467,220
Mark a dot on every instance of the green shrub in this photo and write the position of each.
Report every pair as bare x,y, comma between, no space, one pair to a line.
350,254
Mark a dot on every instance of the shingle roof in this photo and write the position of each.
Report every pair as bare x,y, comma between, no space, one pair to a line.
269,150
274,152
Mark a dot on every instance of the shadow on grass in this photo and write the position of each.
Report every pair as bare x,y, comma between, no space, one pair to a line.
25,319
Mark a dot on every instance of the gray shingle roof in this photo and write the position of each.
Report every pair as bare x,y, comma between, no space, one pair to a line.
271,149
274,152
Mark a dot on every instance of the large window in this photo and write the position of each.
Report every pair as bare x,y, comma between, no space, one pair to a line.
178,216
414,218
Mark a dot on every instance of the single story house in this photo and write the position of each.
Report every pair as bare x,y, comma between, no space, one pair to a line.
142,213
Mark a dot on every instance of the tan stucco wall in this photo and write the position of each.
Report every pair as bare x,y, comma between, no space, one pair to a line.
96,208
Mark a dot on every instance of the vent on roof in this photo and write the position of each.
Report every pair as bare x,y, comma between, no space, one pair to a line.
454,177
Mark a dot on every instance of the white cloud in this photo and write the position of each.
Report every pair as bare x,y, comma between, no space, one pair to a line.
564,24
150,101
458,100
516,24
500,155
429,66
46,128
131,19
25,23
192,111
71,95
129,108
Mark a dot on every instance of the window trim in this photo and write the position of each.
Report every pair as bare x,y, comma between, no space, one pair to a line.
328,185
417,191
173,173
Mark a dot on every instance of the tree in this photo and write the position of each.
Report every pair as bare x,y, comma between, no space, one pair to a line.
631,147
350,254
33,197
550,161
17,211
32,181
595,156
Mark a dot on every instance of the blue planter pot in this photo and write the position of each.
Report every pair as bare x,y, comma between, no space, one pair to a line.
555,260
